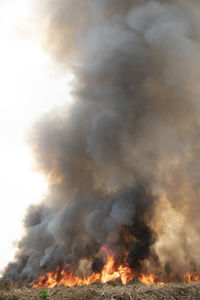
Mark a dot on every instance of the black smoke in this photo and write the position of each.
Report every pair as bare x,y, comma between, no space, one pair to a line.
122,161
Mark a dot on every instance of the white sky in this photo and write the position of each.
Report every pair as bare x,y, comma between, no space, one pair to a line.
29,85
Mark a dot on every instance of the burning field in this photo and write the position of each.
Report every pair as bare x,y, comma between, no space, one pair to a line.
110,272
123,160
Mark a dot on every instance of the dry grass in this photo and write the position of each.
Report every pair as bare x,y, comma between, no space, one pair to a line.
110,291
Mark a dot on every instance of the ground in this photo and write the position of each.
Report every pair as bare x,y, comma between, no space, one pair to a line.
109,291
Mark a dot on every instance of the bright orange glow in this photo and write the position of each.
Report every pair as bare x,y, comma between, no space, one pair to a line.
149,279
191,277
110,272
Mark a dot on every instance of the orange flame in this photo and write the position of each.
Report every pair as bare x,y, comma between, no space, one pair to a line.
149,279
110,272
188,277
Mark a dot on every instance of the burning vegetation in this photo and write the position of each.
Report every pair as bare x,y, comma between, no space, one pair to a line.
110,272
122,161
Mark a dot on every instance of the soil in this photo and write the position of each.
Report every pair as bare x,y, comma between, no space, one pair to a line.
109,291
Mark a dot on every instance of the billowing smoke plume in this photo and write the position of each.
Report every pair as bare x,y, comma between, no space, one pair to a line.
123,161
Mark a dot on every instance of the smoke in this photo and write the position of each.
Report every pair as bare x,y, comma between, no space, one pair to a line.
123,160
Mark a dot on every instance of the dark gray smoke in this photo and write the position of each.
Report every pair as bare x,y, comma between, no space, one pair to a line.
123,161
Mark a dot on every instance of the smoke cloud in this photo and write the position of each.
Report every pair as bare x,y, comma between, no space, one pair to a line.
123,160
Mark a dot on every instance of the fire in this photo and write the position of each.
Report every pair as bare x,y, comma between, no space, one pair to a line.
110,272
191,277
149,279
